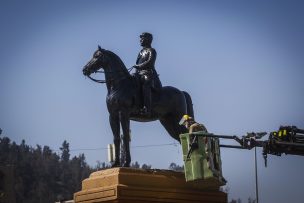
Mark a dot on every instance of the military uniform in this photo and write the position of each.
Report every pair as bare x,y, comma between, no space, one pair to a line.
145,68
145,65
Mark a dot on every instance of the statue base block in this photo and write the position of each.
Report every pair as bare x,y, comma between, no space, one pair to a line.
129,185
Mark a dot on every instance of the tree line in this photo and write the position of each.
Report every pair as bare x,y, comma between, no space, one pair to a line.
38,174
41,175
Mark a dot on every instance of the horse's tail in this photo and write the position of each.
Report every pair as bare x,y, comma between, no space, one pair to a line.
190,111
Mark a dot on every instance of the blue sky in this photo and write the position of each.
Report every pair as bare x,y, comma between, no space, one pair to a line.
241,62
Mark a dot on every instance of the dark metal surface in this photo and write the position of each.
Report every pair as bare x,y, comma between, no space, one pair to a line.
124,101
145,71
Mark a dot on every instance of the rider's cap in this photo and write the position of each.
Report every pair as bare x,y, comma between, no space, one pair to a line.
184,119
146,35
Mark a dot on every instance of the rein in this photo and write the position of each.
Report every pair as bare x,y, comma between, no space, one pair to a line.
98,81
129,70
104,81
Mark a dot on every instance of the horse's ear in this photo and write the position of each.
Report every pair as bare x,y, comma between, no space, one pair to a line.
99,48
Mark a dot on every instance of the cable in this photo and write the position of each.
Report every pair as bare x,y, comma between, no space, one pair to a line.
105,148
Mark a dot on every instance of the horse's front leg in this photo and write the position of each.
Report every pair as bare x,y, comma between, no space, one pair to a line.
125,125
114,122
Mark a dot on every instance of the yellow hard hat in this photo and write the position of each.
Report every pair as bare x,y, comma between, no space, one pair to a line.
184,119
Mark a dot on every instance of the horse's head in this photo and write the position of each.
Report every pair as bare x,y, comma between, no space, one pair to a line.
98,61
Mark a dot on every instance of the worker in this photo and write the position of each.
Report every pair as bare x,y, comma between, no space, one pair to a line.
191,125
209,143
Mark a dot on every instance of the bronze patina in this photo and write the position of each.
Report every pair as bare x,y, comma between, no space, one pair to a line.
145,70
125,94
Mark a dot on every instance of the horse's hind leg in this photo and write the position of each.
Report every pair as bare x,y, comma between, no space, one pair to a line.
114,122
171,124
125,125
189,104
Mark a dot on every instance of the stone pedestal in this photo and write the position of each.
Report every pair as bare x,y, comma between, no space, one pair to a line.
128,185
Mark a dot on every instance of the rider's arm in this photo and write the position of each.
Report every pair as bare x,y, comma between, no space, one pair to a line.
149,63
138,57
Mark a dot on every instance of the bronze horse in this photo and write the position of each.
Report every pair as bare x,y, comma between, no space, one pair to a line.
124,101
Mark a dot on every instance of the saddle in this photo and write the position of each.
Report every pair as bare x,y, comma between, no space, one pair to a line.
156,84
156,87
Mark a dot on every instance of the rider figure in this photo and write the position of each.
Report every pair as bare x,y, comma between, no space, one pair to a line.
145,69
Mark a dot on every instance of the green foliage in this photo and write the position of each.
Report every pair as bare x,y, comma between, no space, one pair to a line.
175,167
135,165
65,152
40,175
145,166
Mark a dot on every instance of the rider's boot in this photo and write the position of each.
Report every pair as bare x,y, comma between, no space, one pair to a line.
146,110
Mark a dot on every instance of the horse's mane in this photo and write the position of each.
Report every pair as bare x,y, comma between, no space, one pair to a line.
117,60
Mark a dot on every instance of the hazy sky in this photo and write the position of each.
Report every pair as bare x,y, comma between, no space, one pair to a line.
241,62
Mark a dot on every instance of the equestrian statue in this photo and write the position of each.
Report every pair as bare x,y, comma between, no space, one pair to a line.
138,97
